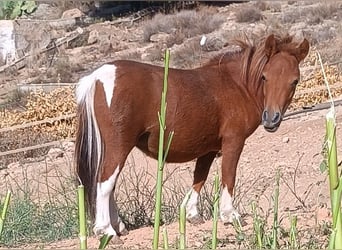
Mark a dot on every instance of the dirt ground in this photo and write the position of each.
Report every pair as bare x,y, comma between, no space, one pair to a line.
294,150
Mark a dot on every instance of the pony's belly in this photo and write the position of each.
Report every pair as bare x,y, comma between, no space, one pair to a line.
181,150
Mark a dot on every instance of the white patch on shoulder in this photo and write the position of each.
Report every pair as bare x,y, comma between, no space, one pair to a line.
102,218
105,74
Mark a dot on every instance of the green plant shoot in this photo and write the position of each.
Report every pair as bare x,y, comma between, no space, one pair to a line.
182,221
215,212
82,217
161,154
335,181
4,211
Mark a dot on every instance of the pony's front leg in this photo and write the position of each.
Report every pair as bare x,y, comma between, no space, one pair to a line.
203,164
102,218
230,157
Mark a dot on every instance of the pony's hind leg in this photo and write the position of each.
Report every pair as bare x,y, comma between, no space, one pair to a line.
107,218
115,219
203,164
103,195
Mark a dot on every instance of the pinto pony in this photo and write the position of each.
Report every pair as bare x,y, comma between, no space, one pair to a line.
210,109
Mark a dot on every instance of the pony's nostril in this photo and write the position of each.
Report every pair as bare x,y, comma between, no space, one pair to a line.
276,117
265,115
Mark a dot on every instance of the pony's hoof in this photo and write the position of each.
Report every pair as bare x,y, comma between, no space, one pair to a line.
229,217
195,220
116,240
124,232
102,230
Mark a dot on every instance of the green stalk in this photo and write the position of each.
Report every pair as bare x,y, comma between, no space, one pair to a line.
275,218
161,156
4,211
105,239
216,208
335,181
257,226
182,221
165,238
293,233
332,153
82,217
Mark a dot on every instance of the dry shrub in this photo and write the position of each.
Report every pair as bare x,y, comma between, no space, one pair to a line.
269,5
314,15
154,54
83,5
248,14
261,5
333,53
187,56
323,11
135,191
290,17
320,34
188,22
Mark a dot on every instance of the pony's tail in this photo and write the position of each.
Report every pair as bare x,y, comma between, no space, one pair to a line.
88,148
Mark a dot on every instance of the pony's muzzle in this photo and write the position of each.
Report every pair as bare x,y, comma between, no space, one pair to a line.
271,121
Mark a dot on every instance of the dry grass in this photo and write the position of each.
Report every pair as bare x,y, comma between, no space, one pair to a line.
273,6
187,56
248,14
188,23
63,5
324,11
320,35
39,106
315,14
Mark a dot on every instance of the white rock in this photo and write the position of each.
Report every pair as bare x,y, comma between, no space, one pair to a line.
286,139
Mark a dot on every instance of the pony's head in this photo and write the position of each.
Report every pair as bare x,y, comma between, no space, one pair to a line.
280,77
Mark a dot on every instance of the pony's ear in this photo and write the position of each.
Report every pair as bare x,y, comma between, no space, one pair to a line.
270,46
302,50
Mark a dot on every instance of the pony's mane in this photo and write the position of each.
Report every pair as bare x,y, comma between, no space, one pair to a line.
252,55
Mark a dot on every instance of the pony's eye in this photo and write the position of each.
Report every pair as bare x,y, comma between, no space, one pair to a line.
295,82
263,78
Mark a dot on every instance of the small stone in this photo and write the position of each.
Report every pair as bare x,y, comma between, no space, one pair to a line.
55,153
72,13
159,37
286,139
93,37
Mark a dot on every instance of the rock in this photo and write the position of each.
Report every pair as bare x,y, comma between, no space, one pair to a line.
68,146
286,139
7,47
72,13
55,153
159,37
46,11
13,165
93,36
